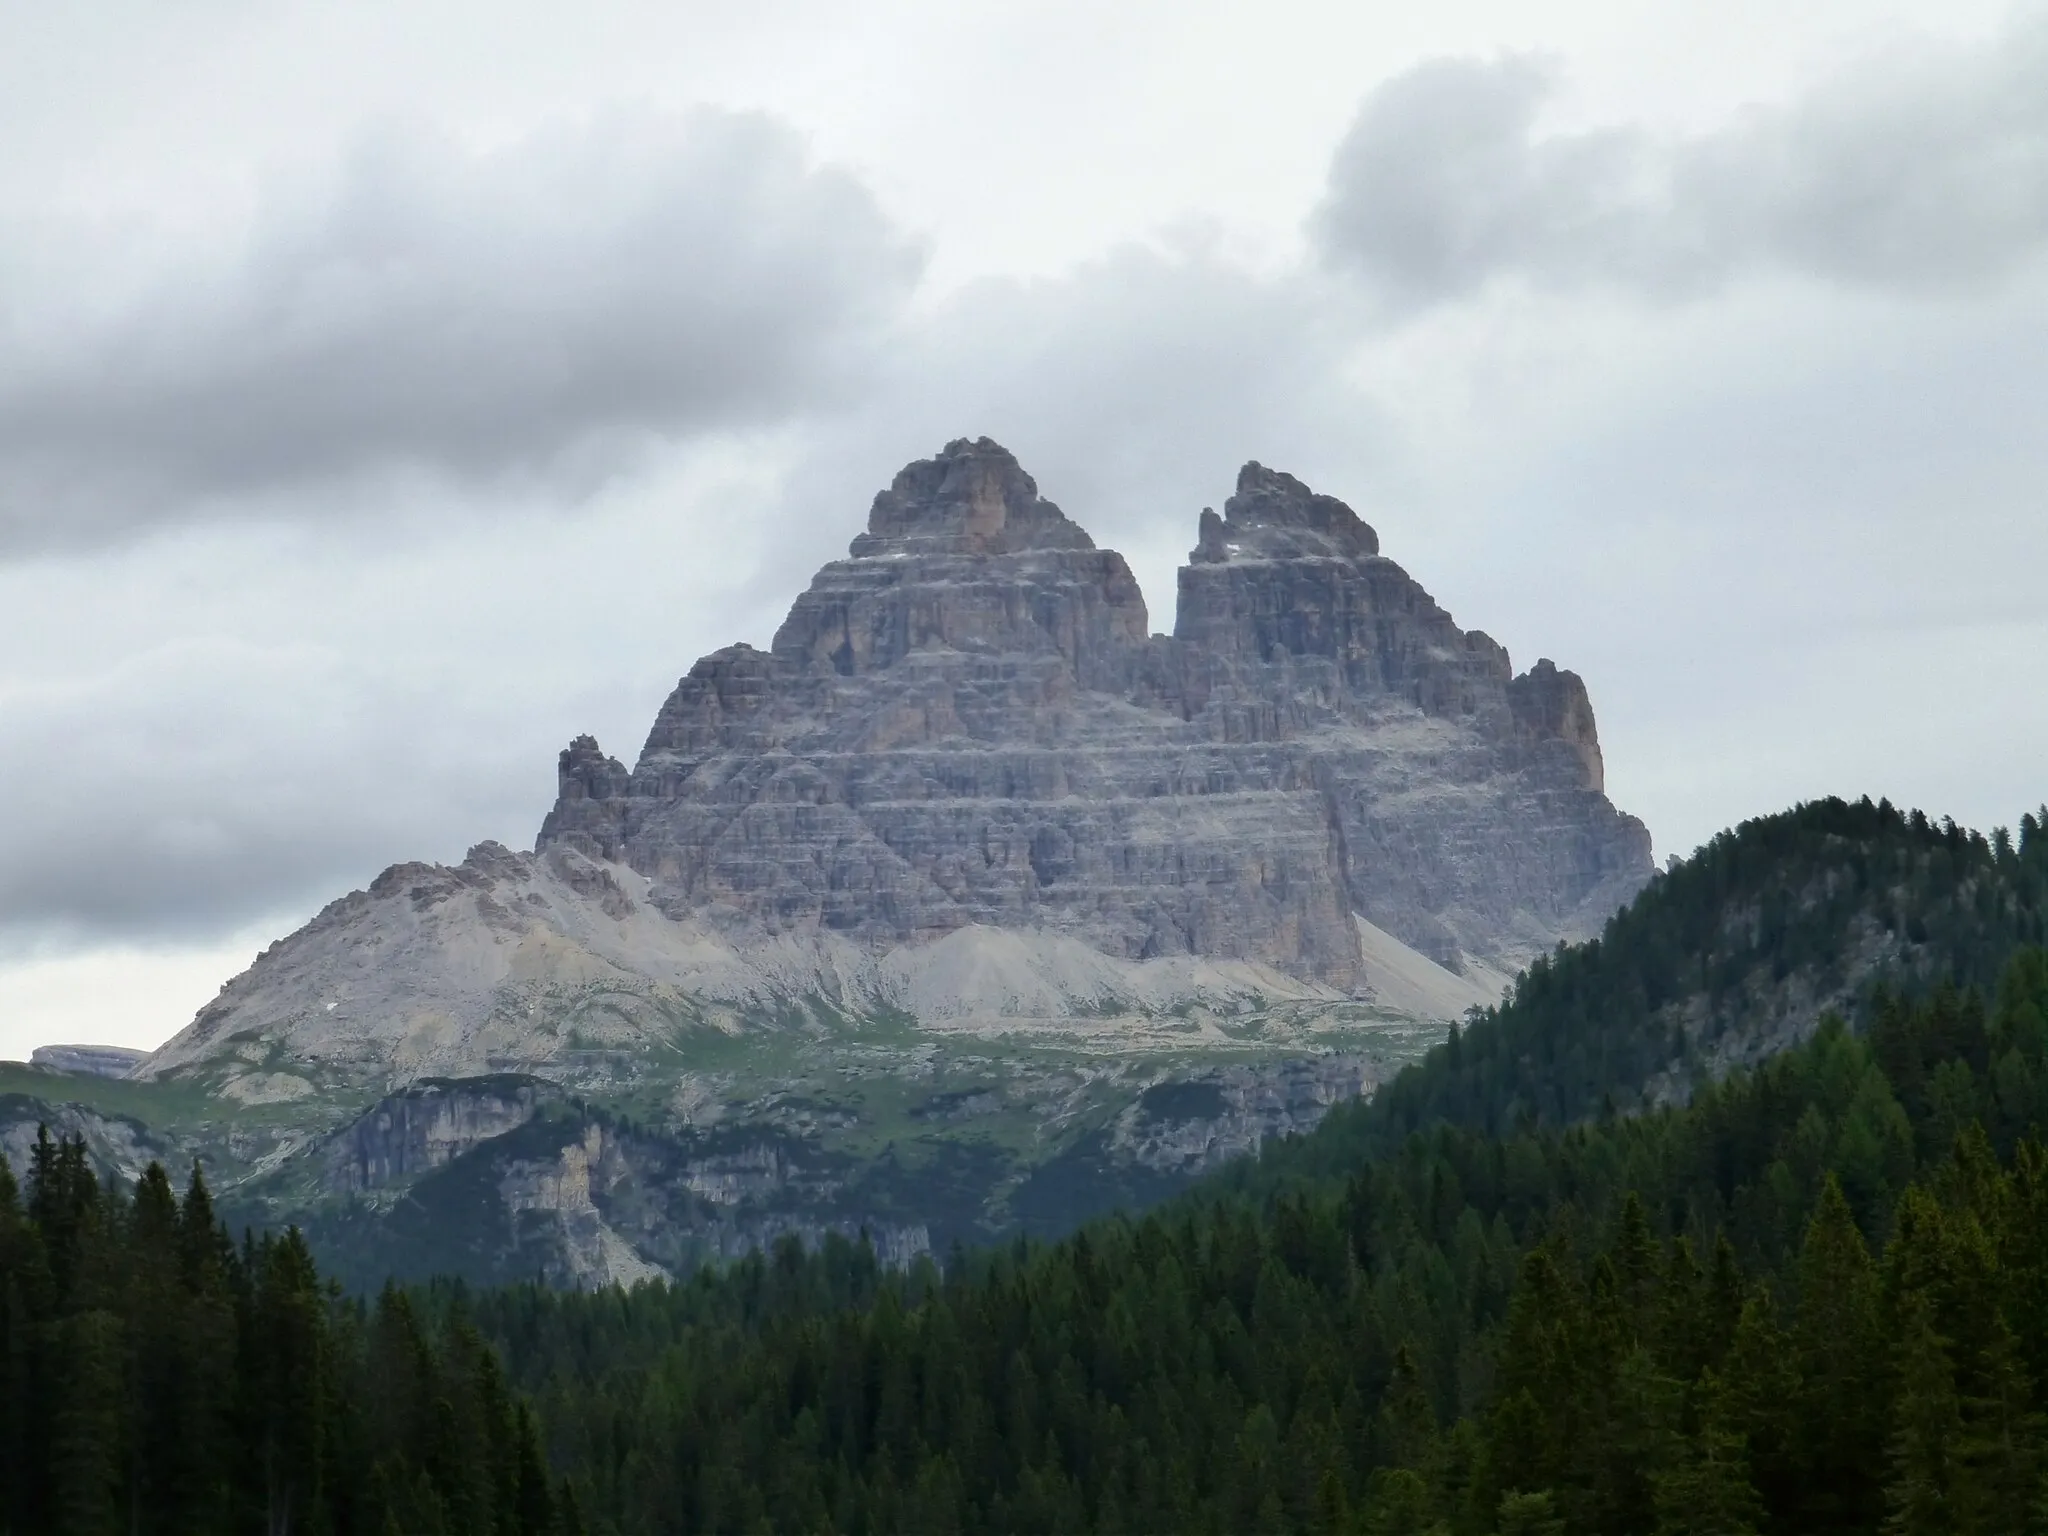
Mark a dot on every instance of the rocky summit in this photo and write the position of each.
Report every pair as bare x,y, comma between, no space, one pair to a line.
970,905
967,721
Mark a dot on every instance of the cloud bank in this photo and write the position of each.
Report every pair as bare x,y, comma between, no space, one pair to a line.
532,310
1916,173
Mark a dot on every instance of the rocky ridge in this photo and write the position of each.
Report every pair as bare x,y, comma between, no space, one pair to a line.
92,1060
966,722
507,1178
968,906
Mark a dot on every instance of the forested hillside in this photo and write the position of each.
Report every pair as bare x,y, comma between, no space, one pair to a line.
1526,1290
1814,1300
1725,957
157,1378
1343,1333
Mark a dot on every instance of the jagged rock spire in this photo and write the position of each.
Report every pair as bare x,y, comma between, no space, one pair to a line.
963,555
973,498
967,721
590,800
1273,516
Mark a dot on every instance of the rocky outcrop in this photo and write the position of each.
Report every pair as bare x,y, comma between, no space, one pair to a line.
118,1146
1189,1125
426,1126
500,1178
89,1060
580,1250
966,722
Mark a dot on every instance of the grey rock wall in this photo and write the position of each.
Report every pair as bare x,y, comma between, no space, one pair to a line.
426,1126
1188,1126
966,721
514,1180
89,1060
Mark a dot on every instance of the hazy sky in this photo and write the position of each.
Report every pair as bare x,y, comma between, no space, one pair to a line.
390,392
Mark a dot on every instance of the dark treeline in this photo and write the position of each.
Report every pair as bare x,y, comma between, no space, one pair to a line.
157,1378
1815,1300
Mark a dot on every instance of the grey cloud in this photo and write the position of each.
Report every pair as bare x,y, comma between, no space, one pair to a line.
233,723
226,754
535,309
194,789
1913,173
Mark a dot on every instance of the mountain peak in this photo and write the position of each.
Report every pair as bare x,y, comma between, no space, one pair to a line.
1273,516
973,498
968,722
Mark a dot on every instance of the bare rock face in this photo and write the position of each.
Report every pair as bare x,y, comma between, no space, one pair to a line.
1095,907
426,1126
88,1060
1190,1126
118,1147
966,722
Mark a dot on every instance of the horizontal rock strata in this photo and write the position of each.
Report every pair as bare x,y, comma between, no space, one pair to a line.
966,721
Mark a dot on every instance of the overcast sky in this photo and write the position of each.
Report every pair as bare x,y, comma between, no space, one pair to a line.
390,392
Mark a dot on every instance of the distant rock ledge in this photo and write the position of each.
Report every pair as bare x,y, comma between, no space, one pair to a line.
87,1060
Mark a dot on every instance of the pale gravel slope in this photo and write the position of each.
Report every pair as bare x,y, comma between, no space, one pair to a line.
519,961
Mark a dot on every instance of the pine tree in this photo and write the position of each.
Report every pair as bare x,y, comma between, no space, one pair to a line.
153,1315
1755,1397
285,1340
1407,1435
1924,1468
204,1428
1708,1491
1529,1514
1838,1353
1727,1291
1400,1504
1688,1334
19,1462
1541,1380
1636,1265
2002,1449
87,1445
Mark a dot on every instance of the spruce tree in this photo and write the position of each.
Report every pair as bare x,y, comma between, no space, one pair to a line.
1924,1470
87,1444
2002,1448
1707,1490
1838,1353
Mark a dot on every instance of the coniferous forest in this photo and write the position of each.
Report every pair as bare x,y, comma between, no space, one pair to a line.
1516,1293
157,1377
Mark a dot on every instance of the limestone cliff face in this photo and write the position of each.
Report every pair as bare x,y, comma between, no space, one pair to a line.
498,1178
87,1060
1190,1126
962,555
1286,601
966,722
427,1126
